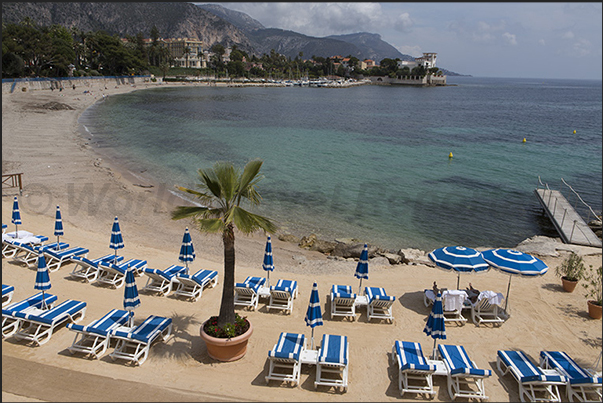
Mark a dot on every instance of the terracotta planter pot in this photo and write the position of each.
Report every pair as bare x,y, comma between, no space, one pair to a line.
568,285
226,349
594,310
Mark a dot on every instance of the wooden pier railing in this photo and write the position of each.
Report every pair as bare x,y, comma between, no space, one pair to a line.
13,181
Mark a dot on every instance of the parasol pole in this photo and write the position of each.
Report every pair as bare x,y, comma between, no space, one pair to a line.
508,288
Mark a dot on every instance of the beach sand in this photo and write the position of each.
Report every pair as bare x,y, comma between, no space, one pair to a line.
60,168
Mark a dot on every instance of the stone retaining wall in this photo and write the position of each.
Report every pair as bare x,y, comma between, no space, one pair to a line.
68,83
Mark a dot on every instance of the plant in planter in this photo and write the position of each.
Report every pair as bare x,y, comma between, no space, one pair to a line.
594,292
230,330
222,189
571,271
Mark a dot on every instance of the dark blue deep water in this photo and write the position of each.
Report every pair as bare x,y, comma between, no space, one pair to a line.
371,162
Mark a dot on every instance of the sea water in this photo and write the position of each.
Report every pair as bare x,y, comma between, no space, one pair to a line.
372,162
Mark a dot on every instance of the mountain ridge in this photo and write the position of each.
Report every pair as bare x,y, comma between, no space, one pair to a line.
211,23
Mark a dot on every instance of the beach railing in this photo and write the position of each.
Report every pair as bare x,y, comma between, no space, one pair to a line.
591,212
10,181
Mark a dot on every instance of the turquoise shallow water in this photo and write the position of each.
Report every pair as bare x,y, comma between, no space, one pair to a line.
372,162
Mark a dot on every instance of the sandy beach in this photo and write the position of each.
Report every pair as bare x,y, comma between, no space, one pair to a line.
60,167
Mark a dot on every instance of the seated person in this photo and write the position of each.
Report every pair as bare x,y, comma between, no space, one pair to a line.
436,289
472,293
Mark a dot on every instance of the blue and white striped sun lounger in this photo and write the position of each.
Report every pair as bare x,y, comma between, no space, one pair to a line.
162,281
7,294
37,326
332,364
28,252
379,304
192,286
10,244
247,292
88,269
413,366
94,339
488,309
285,364
462,372
532,380
134,345
282,295
10,323
343,301
55,259
115,274
581,384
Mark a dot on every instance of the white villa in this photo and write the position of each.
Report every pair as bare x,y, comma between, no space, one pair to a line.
428,60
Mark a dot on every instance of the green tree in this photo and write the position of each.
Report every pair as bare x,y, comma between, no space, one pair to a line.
237,55
389,65
63,53
27,41
223,188
235,68
165,68
418,71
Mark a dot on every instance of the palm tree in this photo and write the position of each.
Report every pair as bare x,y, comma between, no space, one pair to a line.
222,189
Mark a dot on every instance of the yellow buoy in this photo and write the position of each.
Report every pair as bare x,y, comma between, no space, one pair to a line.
450,155
524,139
574,132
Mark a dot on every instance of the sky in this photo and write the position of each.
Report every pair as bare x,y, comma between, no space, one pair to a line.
531,40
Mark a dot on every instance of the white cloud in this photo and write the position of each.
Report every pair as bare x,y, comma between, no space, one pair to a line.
510,38
414,51
317,19
403,23
582,48
548,34
567,35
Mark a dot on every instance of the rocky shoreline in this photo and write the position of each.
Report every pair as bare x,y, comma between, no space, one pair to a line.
349,249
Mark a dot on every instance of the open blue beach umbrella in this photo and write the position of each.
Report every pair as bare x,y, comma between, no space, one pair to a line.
58,226
435,326
362,267
16,217
514,262
131,299
268,263
42,277
187,251
459,259
117,241
314,314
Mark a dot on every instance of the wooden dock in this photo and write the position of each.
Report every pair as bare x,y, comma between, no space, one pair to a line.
570,225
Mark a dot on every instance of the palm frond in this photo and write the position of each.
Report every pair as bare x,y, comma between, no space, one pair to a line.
181,212
248,222
193,192
227,176
209,181
249,180
210,224
250,173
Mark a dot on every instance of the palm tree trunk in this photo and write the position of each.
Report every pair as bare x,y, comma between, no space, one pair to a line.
227,313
